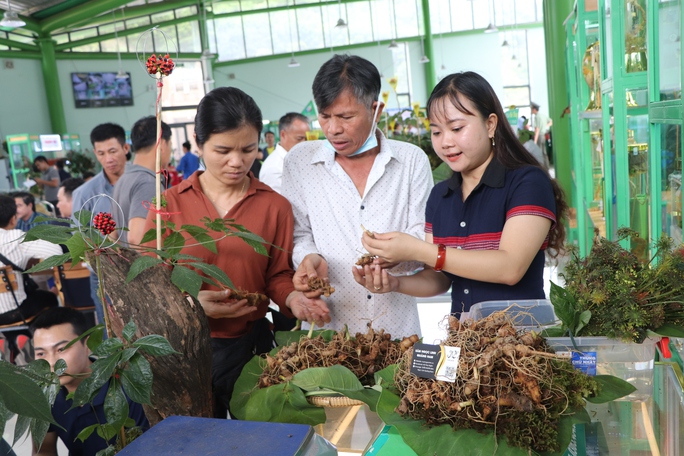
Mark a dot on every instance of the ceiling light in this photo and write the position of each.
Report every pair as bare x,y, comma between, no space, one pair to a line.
424,59
11,19
293,63
341,23
513,57
505,43
208,81
393,45
122,75
491,28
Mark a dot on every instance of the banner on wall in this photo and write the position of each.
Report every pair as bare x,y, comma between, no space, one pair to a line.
310,110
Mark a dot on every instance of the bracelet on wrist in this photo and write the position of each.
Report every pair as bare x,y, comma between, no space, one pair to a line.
441,257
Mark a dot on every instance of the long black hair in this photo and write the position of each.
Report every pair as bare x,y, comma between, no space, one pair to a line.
225,109
508,150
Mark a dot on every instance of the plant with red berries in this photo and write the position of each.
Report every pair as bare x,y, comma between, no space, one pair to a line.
160,64
104,223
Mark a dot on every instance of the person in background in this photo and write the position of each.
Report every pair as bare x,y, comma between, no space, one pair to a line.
52,331
356,176
26,213
189,162
63,173
293,127
269,137
65,195
137,185
48,180
112,151
16,305
526,137
87,175
227,128
540,125
487,227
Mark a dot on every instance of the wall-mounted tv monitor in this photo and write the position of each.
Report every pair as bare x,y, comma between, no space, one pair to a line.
101,89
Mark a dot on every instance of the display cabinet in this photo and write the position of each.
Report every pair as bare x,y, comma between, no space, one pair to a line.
20,150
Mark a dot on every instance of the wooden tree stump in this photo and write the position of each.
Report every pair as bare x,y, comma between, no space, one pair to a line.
182,383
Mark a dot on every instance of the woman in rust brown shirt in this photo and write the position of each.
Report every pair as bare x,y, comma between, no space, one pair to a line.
227,128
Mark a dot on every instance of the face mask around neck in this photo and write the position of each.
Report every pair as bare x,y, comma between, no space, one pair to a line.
370,143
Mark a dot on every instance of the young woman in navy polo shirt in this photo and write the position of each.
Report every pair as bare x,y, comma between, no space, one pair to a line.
488,227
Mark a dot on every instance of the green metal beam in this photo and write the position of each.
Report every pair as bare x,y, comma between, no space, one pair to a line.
53,93
58,8
134,12
79,13
278,8
113,56
555,12
122,33
19,45
430,77
21,55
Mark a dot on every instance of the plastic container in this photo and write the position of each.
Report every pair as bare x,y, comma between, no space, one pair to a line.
629,361
530,314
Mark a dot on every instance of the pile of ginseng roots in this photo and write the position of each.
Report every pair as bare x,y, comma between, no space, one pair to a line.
507,380
364,355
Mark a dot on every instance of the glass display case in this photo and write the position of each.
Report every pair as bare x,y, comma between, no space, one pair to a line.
20,149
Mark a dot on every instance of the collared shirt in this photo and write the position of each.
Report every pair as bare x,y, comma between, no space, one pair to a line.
87,196
50,192
189,163
20,253
261,211
25,225
271,172
477,224
75,420
328,215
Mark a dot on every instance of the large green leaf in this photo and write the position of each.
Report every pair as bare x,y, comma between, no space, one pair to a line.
140,264
201,236
583,320
283,403
85,433
38,430
83,217
21,395
245,385
48,263
337,378
257,245
564,305
611,388
136,379
51,233
186,280
369,396
77,247
442,440
5,416
151,235
115,405
284,338
215,273
95,335
22,425
385,377
565,425
100,372
108,347
174,242
129,331
670,330
155,345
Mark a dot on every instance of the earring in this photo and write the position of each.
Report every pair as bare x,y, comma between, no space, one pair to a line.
493,142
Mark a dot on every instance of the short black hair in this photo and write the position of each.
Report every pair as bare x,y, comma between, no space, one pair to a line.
346,72
285,121
26,197
58,316
534,105
87,174
144,133
225,109
8,209
61,163
39,158
187,145
269,133
106,131
71,184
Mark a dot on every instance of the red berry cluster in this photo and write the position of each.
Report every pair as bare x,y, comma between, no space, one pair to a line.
158,64
103,222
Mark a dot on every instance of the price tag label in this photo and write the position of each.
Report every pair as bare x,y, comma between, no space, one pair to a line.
437,362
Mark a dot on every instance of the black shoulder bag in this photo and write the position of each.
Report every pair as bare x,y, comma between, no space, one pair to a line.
30,285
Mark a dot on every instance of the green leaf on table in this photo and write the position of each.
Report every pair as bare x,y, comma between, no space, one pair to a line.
442,440
554,331
48,263
215,273
77,247
155,345
129,331
670,330
284,338
611,388
245,385
115,405
385,377
140,264
174,243
337,378
136,379
283,403
21,395
565,307
584,318
51,233
186,280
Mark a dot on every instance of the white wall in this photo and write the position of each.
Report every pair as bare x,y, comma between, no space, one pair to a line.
22,106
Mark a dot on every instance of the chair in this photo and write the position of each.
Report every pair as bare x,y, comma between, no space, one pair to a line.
73,285
16,334
46,208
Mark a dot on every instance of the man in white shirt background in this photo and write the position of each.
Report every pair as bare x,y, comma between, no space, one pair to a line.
293,127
